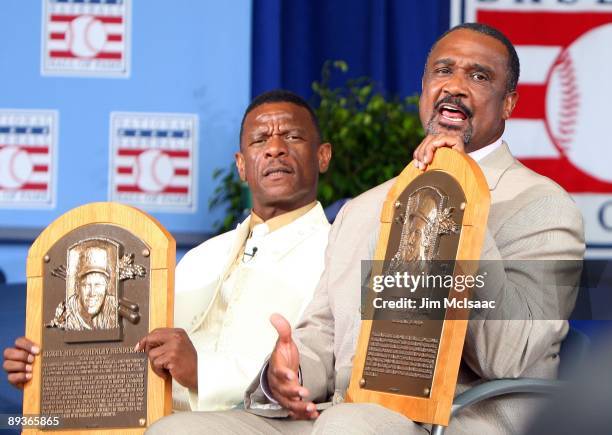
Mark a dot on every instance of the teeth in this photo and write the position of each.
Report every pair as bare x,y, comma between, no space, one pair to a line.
452,119
450,108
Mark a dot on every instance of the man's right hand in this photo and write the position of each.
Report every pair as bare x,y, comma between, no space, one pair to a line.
283,368
18,361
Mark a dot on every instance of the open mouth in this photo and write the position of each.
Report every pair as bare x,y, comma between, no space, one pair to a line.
277,170
452,113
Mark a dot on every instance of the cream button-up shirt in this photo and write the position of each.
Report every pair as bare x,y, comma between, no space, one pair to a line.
228,317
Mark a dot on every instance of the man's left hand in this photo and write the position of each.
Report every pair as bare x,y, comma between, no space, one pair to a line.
171,352
424,153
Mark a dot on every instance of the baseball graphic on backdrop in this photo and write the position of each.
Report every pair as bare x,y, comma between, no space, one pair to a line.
86,36
154,170
15,167
578,94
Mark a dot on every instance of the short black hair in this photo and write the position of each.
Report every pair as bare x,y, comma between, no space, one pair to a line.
280,96
514,66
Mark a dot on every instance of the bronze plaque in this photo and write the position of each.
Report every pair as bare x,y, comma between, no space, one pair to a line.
403,347
95,309
415,295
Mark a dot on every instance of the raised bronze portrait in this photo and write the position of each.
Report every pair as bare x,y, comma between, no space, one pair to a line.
92,273
425,219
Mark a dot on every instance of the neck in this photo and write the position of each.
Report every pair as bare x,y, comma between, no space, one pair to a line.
87,318
469,148
267,212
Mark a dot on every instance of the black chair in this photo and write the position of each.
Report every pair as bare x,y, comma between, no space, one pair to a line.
574,350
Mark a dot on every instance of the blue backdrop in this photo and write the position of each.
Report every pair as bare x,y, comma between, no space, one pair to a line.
189,57
387,40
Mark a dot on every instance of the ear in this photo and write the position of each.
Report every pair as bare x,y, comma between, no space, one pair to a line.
240,165
510,101
324,154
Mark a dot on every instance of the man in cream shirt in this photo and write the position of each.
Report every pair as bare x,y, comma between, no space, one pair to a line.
227,287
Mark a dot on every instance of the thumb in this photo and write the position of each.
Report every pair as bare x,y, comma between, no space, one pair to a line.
282,326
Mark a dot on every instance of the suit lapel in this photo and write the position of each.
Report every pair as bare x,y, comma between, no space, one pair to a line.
242,232
495,164
282,241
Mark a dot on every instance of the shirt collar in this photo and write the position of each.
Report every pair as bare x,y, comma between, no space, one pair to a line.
481,153
280,221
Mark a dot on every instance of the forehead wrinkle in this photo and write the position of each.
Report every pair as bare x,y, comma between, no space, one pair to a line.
273,116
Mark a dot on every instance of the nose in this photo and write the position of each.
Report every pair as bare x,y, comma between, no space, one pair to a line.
456,85
276,146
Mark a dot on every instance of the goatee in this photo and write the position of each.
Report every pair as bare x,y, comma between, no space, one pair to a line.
434,129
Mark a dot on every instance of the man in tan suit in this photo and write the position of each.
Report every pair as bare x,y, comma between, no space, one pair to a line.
469,90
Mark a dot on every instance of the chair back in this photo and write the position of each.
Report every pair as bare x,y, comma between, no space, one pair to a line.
574,351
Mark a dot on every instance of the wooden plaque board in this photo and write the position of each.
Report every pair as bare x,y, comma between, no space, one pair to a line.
140,259
434,392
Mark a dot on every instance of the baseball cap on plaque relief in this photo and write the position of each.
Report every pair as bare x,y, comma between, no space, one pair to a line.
560,125
86,38
28,156
153,160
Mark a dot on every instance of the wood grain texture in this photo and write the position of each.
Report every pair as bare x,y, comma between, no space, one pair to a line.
436,408
162,249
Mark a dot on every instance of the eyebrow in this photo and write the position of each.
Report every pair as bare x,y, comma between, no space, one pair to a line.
447,61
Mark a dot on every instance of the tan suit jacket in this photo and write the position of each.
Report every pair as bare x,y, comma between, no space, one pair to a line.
531,218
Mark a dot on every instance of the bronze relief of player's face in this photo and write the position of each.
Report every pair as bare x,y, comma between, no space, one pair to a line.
415,250
92,291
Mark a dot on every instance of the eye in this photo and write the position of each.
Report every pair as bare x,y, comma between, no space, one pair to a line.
293,136
442,70
480,77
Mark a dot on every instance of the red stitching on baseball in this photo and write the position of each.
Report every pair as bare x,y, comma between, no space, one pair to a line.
570,100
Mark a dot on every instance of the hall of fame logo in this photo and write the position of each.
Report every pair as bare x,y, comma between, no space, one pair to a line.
28,152
153,160
559,127
86,37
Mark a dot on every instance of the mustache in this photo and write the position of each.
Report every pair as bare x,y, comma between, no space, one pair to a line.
277,165
455,101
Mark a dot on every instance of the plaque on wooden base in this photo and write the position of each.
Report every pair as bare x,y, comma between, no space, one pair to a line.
99,278
432,222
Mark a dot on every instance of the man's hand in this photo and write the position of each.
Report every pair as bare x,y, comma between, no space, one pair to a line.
18,361
282,373
171,353
424,153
